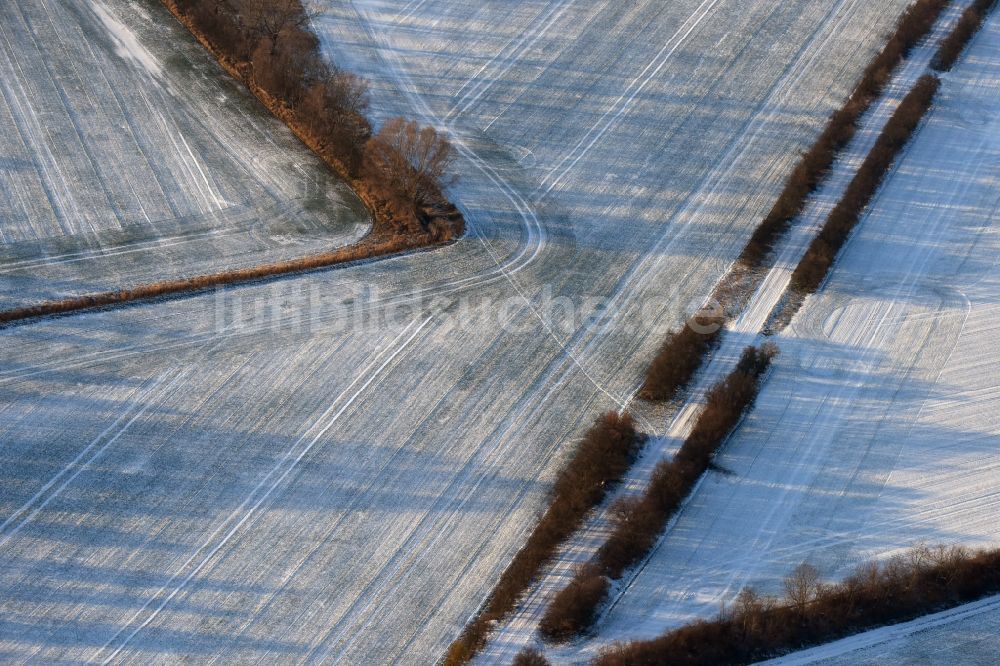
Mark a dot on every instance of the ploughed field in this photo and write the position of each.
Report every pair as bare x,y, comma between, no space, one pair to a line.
879,425
338,465
128,155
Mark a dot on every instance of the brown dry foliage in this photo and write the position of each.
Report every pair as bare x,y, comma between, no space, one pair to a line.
968,25
363,250
915,24
529,657
816,262
268,42
413,162
758,627
680,356
638,522
575,607
600,460
683,352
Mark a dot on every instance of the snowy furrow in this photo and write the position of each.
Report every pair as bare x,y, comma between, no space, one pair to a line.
130,156
878,427
386,534
520,630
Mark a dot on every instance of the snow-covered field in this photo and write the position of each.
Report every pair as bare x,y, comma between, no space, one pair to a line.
128,155
310,487
519,631
879,427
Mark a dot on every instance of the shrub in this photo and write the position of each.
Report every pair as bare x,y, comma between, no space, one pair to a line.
269,45
575,607
816,262
271,39
600,460
638,522
758,627
414,159
968,25
363,250
678,359
915,23
684,351
530,657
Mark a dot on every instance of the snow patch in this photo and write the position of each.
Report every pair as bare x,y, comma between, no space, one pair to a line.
127,45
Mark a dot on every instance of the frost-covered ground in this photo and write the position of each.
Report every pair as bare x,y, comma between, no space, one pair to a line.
880,426
519,630
128,155
308,487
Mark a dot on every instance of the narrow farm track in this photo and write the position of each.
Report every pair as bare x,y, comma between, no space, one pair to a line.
878,427
520,631
235,517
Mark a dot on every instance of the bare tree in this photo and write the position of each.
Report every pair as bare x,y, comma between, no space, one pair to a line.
268,19
748,610
801,586
340,91
416,159
219,6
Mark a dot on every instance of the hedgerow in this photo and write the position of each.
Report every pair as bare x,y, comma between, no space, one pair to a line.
638,522
811,612
915,24
816,262
599,462
968,25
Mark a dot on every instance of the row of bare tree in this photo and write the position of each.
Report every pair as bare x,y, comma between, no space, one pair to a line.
598,463
638,521
811,612
822,252
401,170
968,25
684,350
915,24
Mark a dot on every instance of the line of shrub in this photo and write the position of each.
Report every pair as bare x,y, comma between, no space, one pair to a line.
364,250
758,627
684,351
915,24
679,358
822,252
968,25
600,461
399,172
638,522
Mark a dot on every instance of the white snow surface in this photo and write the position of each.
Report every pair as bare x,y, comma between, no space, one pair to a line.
128,155
308,488
879,427
519,631
128,45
